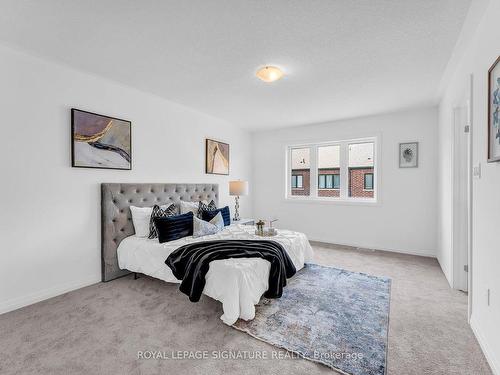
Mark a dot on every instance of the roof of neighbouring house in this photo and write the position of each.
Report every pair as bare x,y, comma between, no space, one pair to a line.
360,155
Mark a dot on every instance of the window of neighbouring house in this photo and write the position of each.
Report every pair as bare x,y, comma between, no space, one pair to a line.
340,170
368,185
328,181
322,181
297,182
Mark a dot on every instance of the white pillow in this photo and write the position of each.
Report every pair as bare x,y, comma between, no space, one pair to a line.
204,228
190,207
140,219
218,221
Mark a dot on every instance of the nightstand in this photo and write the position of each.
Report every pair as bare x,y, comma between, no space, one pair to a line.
244,221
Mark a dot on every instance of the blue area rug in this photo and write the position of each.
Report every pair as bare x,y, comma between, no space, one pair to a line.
331,316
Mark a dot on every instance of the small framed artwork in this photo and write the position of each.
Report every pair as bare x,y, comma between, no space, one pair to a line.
494,112
408,155
99,141
216,157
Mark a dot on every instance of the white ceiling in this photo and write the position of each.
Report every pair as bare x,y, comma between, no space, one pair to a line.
342,58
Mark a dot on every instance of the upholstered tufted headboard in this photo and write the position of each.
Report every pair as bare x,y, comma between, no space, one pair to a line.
116,219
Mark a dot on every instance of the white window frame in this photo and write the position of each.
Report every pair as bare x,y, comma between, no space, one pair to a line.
344,172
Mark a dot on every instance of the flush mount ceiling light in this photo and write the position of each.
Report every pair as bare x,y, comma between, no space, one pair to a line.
269,73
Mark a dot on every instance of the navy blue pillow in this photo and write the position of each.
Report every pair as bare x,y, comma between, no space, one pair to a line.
226,215
174,227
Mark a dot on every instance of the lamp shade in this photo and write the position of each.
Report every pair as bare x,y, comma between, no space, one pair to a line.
238,188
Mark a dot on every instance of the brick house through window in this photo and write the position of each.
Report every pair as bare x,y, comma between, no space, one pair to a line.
302,175
359,164
357,179
361,170
328,182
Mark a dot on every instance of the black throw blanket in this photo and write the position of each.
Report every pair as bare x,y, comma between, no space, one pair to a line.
190,263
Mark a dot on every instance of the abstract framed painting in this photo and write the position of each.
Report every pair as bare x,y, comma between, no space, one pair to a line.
408,155
216,157
99,141
494,112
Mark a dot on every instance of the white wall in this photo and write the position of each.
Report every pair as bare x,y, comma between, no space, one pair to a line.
476,58
405,218
50,218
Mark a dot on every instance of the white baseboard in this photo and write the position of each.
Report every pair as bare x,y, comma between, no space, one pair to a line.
495,367
18,302
423,253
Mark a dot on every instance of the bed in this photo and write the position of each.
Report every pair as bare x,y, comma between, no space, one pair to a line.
237,283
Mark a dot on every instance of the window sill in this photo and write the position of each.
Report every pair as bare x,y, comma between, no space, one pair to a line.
347,202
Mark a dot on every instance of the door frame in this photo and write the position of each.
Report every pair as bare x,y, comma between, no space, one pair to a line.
465,105
470,187
460,198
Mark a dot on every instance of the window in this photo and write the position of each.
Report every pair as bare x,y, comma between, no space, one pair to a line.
328,167
339,170
336,181
328,181
368,185
297,182
322,181
300,159
360,164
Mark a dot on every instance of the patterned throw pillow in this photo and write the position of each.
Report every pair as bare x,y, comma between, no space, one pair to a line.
202,206
204,228
186,207
218,221
159,212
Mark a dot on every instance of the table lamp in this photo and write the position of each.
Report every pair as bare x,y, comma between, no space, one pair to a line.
237,189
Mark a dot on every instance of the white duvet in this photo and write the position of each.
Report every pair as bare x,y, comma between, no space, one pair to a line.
237,283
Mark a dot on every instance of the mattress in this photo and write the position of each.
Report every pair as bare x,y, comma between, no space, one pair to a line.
237,283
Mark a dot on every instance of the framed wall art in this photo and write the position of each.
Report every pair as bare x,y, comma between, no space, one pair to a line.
408,155
494,112
216,157
99,141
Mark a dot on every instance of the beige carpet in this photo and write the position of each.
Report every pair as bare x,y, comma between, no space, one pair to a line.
101,328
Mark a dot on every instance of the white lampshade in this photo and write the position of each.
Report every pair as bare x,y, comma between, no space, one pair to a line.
238,188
